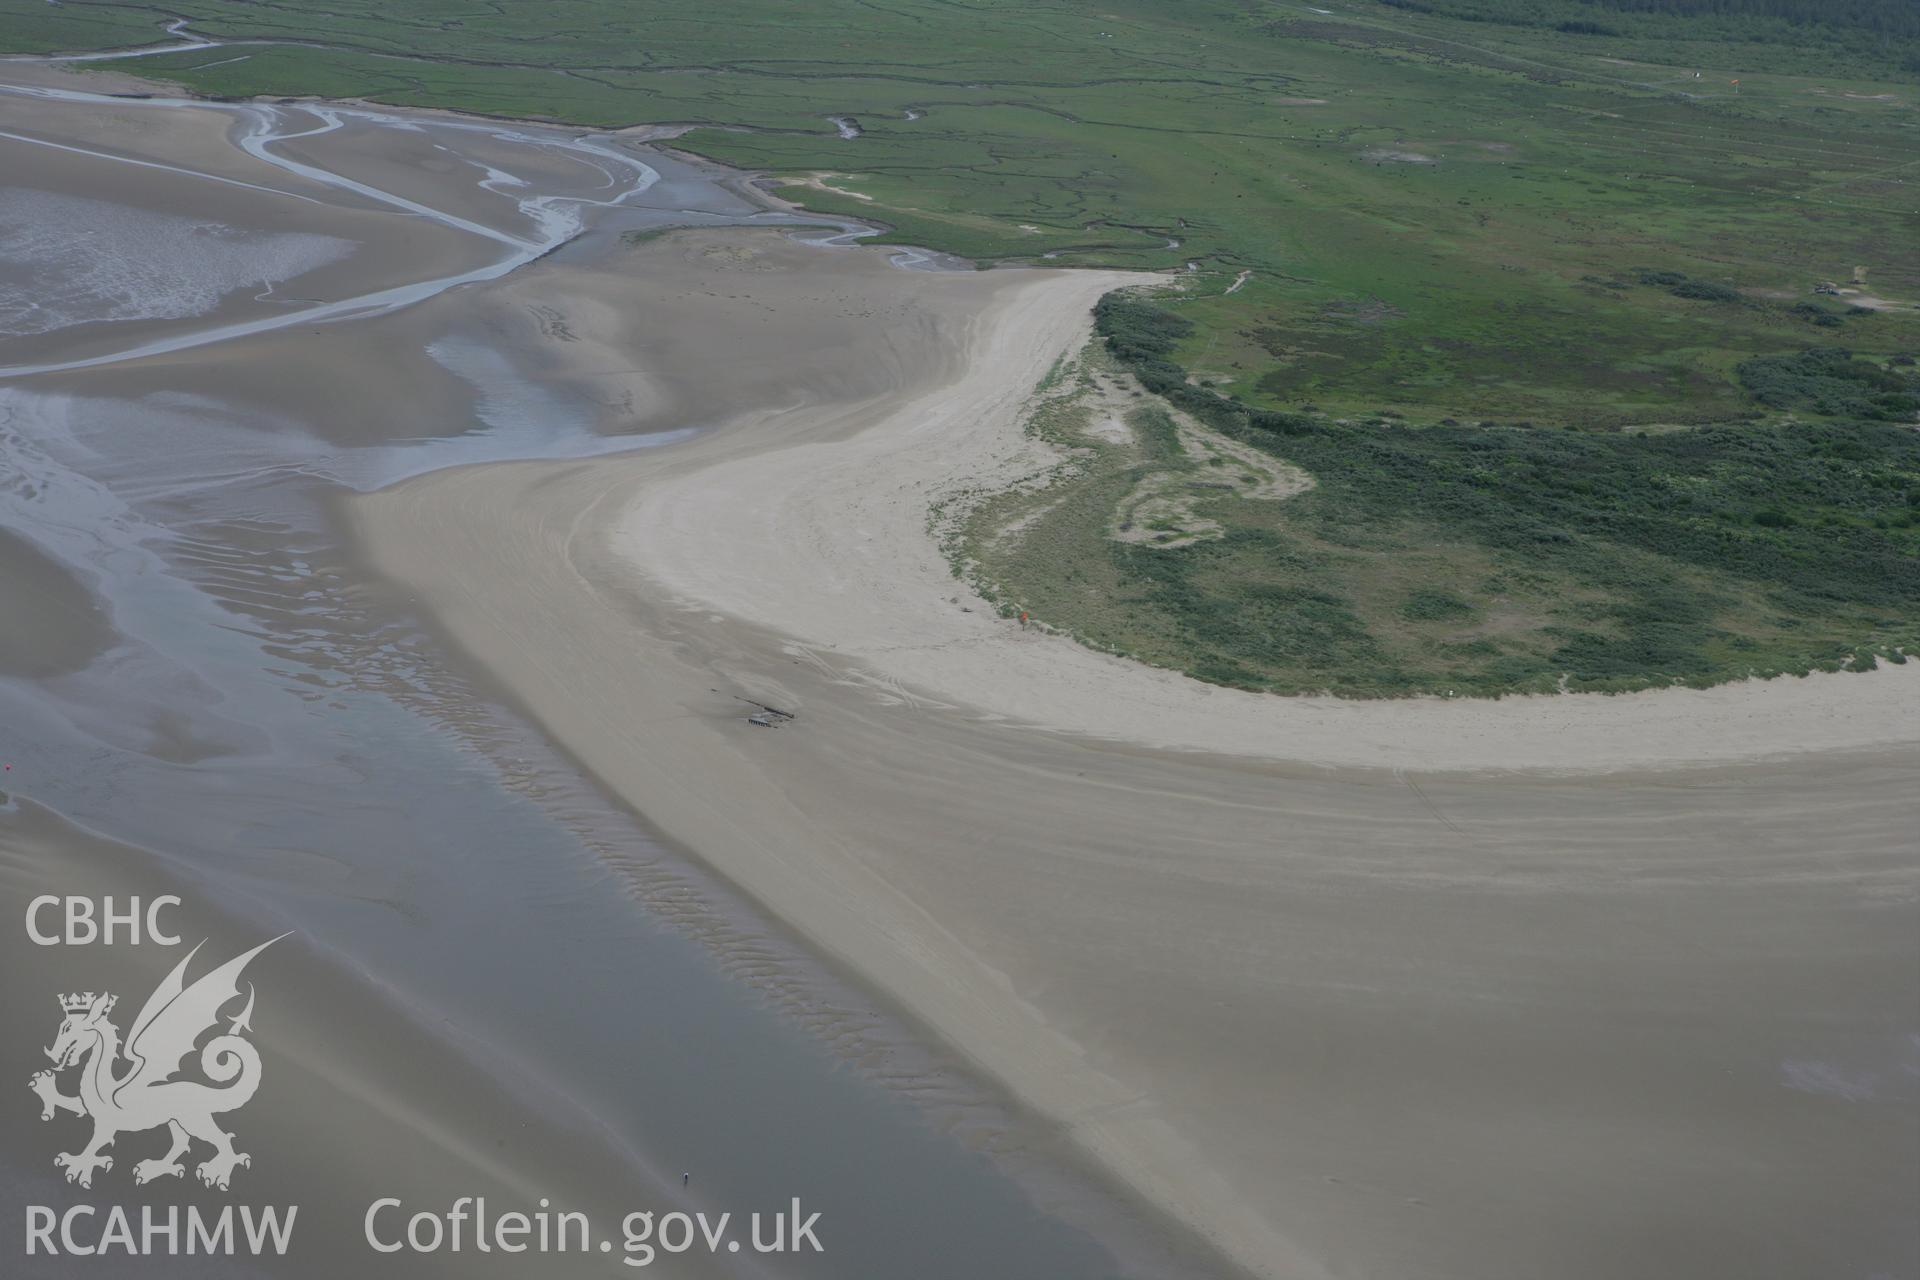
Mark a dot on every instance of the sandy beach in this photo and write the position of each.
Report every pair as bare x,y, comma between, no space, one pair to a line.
1421,989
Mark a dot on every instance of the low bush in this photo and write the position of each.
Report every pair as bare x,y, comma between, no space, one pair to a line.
1705,291
1829,380
1813,517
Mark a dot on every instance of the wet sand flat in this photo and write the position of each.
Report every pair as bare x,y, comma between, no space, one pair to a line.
530,993
359,1100
187,249
51,622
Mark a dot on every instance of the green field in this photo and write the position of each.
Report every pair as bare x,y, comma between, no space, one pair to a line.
1435,214
1553,231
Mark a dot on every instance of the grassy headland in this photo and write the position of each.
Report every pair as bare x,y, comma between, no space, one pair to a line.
1378,557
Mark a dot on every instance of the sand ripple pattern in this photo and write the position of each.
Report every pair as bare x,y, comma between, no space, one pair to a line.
72,260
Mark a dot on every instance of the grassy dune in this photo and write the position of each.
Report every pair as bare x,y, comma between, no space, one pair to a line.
1400,559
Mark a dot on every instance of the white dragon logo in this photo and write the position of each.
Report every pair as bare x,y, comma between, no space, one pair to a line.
146,1096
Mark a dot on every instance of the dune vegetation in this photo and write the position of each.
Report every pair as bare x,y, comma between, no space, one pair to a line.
1462,558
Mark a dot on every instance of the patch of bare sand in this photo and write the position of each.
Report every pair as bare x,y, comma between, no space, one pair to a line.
1872,302
1161,508
818,181
1335,1020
